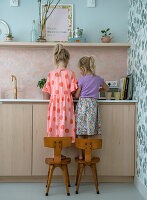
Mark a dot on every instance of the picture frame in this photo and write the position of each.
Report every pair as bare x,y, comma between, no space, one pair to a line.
59,26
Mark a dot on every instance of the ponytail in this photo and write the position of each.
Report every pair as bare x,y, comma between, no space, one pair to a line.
58,49
88,62
92,65
61,54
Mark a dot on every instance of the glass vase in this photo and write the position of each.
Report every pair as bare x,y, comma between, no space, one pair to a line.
41,35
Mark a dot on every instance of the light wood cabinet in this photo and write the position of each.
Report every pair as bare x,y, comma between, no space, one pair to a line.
118,134
39,167
39,132
15,139
23,127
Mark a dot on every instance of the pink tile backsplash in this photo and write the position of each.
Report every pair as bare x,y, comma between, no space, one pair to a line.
31,64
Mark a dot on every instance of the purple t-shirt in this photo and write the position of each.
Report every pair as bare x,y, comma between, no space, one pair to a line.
90,85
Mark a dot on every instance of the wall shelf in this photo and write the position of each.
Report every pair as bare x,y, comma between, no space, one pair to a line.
52,44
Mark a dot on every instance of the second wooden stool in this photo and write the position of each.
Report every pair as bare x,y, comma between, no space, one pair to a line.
88,145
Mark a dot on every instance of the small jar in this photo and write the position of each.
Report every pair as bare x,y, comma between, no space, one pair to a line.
108,95
117,95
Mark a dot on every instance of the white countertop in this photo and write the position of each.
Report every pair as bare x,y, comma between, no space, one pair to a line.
47,101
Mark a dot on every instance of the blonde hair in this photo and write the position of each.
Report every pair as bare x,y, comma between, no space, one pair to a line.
61,54
88,62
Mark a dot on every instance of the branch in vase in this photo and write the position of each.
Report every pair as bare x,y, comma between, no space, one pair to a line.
53,9
47,9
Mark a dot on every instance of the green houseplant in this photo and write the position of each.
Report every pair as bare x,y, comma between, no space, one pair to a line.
41,84
106,36
9,36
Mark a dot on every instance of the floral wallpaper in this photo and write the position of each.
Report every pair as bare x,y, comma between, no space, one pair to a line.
137,64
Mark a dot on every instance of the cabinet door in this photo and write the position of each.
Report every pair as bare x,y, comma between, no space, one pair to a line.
117,153
15,139
39,151
39,132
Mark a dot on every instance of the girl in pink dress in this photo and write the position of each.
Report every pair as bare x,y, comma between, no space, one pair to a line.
60,84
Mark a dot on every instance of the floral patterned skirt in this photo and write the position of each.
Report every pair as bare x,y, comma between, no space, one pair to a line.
87,117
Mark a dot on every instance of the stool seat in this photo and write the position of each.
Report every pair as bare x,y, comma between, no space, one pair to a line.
93,160
64,161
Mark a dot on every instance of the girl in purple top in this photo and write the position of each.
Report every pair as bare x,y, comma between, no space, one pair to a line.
87,115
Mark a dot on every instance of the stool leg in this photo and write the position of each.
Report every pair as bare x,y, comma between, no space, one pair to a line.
81,166
78,170
96,179
63,167
48,175
51,168
94,171
67,176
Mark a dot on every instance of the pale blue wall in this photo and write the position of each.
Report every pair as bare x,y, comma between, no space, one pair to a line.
108,13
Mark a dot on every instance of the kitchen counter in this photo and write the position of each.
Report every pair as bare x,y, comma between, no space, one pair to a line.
46,101
23,126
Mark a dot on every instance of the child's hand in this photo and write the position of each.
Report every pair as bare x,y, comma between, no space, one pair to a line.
104,88
101,90
78,91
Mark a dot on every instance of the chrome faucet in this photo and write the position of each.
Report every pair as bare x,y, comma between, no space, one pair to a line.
15,86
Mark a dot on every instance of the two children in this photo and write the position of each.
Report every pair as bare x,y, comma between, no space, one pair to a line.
61,83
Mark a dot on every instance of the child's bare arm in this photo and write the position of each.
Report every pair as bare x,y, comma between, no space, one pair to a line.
104,88
77,94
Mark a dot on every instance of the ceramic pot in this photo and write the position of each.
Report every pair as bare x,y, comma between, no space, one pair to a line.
106,39
9,38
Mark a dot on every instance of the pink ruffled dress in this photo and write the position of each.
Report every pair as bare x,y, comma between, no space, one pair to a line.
61,116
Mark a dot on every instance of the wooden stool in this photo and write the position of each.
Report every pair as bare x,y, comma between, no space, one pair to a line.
88,145
57,143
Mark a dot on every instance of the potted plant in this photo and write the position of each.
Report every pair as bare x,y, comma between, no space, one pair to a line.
9,37
106,36
41,84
